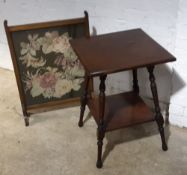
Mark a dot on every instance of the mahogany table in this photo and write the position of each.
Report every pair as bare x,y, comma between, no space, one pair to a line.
115,52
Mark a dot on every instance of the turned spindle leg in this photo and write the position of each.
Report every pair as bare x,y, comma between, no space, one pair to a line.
135,81
158,116
101,129
84,100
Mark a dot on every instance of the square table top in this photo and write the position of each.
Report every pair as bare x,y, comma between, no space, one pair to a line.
119,51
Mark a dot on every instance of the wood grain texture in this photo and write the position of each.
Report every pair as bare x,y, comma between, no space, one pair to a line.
119,51
115,52
121,110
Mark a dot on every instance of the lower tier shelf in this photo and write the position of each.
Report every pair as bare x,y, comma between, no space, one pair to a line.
121,110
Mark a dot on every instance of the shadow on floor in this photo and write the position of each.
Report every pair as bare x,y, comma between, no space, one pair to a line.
132,133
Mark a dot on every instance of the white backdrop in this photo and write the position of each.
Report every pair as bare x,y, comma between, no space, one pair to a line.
164,20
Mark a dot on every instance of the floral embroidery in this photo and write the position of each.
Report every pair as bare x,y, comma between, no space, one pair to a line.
29,60
64,75
30,47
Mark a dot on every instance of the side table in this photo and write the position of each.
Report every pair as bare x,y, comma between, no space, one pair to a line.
115,52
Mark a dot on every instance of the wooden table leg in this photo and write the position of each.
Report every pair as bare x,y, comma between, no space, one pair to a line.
101,129
159,118
84,99
135,81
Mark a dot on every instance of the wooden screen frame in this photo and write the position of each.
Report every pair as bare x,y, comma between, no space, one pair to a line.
31,109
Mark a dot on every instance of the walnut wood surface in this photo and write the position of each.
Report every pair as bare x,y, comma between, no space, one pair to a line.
121,110
115,52
158,117
119,51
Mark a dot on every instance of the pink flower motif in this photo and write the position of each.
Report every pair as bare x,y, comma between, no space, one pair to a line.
48,80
